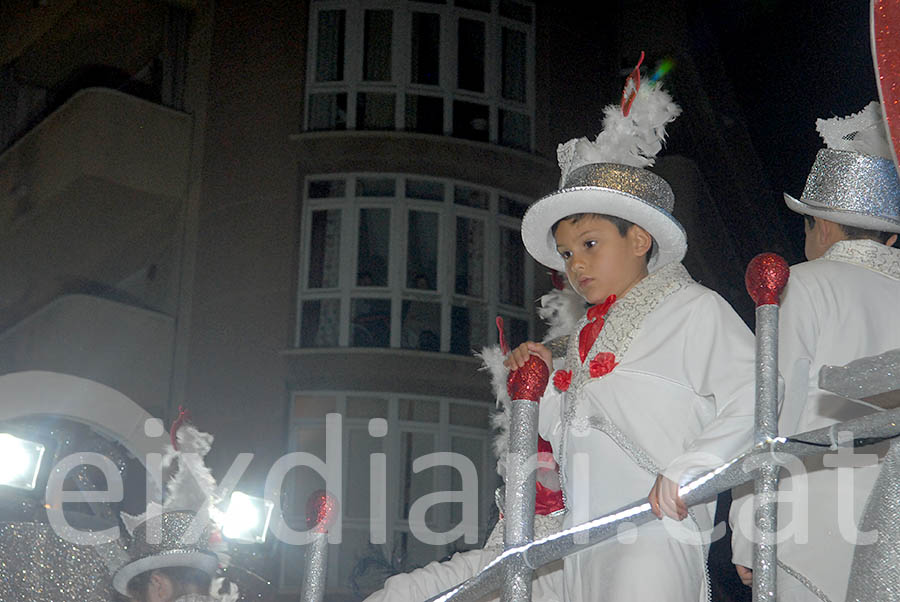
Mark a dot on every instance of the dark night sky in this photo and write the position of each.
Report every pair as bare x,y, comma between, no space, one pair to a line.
791,63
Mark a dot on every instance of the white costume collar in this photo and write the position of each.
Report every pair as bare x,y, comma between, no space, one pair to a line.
868,254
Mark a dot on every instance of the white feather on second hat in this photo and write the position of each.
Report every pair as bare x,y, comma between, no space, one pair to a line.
608,176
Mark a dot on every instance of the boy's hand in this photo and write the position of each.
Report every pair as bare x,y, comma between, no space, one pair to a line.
518,356
664,499
745,574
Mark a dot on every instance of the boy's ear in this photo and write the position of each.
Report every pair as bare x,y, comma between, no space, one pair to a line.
641,241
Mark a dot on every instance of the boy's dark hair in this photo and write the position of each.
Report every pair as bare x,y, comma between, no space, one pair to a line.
184,578
852,232
621,224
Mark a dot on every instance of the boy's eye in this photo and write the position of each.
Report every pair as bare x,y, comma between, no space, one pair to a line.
565,255
589,243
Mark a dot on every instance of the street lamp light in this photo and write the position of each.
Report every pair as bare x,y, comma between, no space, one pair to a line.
20,462
247,518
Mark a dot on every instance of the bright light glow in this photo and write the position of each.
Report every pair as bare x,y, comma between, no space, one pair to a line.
20,462
247,518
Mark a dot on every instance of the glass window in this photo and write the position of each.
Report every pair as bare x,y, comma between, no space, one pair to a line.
511,207
419,410
310,439
421,250
516,330
471,197
325,249
370,323
415,485
483,5
515,130
467,329
377,45
313,406
513,64
328,111
381,187
470,52
512,268
470,415
421,327
330,51
471,120
425,51
359,447
324,189
473,449
366,407
469,257
428,190
374,111
515,10
319,323
424,114
373,250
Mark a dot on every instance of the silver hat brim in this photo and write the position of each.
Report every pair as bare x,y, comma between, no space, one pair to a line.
668,234
842,216
202,561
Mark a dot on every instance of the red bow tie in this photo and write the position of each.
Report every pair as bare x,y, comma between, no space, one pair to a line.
589,333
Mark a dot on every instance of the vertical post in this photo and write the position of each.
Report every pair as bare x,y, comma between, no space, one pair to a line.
525,386
766,276
320,513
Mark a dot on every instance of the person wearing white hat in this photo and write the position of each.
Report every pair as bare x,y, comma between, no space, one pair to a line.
658,379
837,307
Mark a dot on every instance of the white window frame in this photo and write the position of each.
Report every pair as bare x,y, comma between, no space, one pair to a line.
400,83
442,430
396,291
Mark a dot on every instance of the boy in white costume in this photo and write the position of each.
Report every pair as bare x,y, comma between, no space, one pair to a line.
837,307
658,379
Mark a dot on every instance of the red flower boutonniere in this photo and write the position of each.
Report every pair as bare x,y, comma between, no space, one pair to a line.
562,379
603,364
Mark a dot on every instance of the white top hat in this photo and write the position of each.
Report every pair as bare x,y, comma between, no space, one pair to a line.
608,176
853,181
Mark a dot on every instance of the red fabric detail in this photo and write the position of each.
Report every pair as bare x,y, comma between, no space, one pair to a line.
558,280
183,416
504,346
562,379
602,364
589,333
547,500
632,85
544,446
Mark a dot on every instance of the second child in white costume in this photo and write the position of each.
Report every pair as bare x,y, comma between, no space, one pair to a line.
658,381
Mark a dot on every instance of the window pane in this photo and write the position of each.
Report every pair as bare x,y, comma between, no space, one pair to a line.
330,53
306,480
325,248
516,330
319,323
513,64
471,197
421,250
411,553
371,323
470,38
469,257
515,130
366,407
473,449
377,49
421,326
424,114
374,111
361,445
328,111
467,329
428,190
512,268
372,254
313,406
484,5
415,485
512,207
383,187
515,10
426,49
418,411
324,189
470,415
471,121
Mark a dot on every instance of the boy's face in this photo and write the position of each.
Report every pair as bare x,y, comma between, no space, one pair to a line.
599,261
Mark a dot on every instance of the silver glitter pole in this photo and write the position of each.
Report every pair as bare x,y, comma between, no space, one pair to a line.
765,559
313,587
520,492
766,276
703,489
